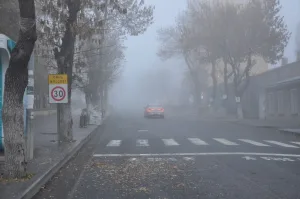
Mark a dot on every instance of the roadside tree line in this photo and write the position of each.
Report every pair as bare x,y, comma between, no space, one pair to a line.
86,42
218,37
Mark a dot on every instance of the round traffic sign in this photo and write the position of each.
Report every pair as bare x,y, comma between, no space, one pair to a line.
58,93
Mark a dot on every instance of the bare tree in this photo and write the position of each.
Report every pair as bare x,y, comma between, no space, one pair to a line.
16,80
64,21
177,42
257,30
233,34
203,17
103,53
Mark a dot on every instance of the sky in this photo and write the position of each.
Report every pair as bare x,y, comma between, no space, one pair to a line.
141,53
291,12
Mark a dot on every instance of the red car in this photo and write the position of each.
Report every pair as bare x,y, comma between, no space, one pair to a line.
153,110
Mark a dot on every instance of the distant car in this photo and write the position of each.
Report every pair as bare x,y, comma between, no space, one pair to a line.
154,110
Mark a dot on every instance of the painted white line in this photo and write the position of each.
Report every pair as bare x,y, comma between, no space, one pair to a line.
142,143
296,143
253,142
162,159
155,159
170,142
197,141
114,143
188,158
278,159
281,144
225,142
172,159
197,154
249,158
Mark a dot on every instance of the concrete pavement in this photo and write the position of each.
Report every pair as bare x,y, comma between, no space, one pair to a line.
49,156
181,158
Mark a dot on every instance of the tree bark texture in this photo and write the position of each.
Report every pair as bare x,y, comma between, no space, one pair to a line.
225,100
214,79
241,83
197,90
64,59
195,80
16,80
225,78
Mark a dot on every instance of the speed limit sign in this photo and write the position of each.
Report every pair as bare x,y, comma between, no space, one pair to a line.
58,89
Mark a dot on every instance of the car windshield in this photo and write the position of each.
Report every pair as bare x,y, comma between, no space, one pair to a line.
150,99
155,106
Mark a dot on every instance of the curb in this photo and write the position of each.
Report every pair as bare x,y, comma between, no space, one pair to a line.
253,125
283,131
280,130
34,188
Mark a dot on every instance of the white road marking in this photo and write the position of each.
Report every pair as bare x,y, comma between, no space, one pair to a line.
162,159
189,158
278,159
114,143
142,143
155,159
170,142
197,141
281,144
172,159
296,143
253,142
249,158
225,142
197,154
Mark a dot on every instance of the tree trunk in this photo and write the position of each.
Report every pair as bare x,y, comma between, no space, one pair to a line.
105,93
194,76
64,59
88,103
214,79
225,79
241,85
16,80
197,92
87,99
225,98
95,99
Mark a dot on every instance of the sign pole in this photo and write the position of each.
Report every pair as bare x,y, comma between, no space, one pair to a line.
58,94
58,120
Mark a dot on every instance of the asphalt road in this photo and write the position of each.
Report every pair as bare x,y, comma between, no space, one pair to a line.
180,157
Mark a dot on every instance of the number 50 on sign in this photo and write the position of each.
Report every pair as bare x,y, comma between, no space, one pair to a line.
58,88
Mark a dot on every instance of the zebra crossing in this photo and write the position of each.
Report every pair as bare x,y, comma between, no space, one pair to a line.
213,141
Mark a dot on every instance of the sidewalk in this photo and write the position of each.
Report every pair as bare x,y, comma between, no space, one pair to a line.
276,124
49,156
284,126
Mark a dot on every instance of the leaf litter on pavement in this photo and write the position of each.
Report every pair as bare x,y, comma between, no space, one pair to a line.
139,177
